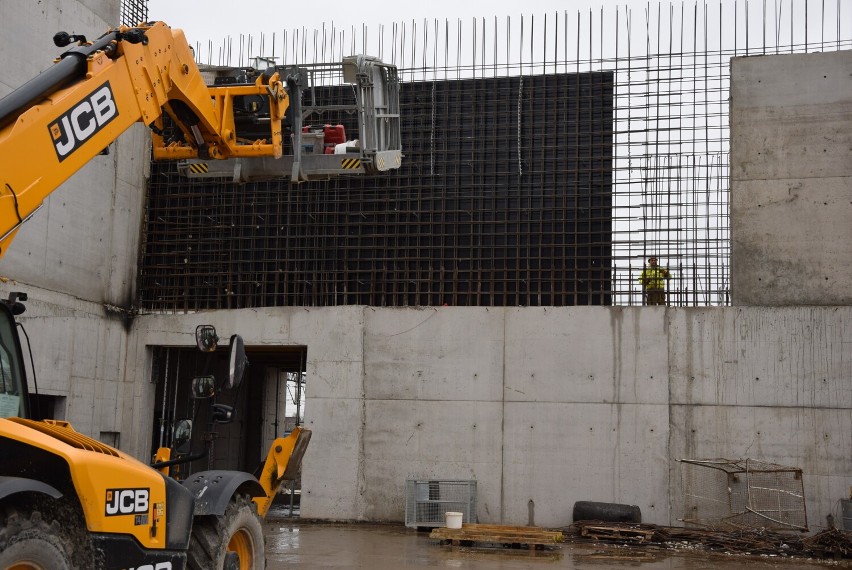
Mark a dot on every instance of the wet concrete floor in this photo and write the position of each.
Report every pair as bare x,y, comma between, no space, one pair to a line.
291,544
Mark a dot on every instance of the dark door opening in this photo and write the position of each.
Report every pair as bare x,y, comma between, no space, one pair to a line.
44,407
267,404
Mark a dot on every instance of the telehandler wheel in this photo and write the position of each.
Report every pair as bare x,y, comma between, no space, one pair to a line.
27,542
233,541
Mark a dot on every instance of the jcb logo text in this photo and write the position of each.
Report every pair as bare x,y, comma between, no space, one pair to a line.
82,121
126,501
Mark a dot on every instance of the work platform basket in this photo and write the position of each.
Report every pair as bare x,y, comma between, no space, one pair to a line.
427,501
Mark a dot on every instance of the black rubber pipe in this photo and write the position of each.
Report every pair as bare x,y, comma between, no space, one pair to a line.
71,68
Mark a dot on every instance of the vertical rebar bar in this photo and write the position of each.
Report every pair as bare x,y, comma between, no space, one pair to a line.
471,125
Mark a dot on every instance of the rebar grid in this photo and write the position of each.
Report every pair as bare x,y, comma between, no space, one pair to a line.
133,12
515,190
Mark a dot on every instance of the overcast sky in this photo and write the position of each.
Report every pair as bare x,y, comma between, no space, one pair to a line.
246,28
221,18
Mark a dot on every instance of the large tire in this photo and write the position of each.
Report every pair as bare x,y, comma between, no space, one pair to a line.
218,542
606,512
27,541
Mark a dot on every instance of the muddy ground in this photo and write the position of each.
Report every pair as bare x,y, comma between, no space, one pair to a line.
293,544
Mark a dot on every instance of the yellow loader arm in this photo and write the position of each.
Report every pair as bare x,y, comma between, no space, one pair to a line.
282,464
58,121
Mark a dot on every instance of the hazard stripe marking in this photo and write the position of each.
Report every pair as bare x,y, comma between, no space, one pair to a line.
198,167
350,163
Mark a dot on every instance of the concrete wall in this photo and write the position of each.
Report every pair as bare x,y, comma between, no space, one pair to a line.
769,384
549,405
79,355
791,179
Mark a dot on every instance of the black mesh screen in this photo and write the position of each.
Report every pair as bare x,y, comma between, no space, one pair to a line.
504,199
134,12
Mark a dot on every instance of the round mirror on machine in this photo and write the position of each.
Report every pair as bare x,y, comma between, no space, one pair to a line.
204,386
236,362
183,436
205,338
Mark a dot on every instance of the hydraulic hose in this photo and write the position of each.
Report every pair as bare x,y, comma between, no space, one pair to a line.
72,67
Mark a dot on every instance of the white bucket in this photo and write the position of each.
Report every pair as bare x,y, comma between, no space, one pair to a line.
454,520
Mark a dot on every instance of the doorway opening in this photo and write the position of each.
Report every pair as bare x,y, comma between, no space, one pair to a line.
268,403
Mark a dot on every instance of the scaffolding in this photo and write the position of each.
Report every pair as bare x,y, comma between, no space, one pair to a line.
546,158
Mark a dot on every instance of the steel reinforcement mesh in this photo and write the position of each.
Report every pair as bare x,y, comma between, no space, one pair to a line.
545,160
133,12
485,210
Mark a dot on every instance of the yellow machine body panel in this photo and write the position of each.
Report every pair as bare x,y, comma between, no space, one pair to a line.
118,493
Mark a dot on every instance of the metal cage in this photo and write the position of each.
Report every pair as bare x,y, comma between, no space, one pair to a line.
427,501
743,493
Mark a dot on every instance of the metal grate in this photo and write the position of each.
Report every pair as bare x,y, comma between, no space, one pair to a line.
491,207
133,12
743,493
427,501
438,231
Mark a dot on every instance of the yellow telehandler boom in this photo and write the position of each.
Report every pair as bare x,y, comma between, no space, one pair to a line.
58,121
67,500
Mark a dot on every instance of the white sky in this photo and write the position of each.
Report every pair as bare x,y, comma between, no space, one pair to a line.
239,29
217,19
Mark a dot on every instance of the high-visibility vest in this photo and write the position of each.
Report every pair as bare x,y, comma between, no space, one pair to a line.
654,277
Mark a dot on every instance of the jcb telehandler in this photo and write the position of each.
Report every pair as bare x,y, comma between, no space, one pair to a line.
67,500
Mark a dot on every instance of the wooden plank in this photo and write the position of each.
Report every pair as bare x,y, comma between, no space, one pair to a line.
616,532
499,534
471,527
498,537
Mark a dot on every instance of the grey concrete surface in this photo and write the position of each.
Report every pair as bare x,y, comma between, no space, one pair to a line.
791,179
766,383
79,354
28,29
545,405
291,546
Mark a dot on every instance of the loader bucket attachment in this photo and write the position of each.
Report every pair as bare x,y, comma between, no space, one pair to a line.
283,463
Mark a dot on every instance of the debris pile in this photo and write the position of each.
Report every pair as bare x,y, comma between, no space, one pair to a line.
827,544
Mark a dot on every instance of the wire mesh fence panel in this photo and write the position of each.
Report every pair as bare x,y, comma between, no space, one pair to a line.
428,501
743,493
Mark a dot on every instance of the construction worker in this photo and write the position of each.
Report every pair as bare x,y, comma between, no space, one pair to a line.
653,280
